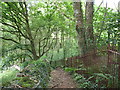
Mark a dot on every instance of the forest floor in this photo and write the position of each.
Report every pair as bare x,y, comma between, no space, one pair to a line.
61,79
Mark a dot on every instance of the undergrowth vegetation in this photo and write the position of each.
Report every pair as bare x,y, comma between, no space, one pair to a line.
88,78
34,74
7,77
38,37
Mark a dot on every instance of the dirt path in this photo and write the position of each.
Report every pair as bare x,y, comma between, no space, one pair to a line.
61,79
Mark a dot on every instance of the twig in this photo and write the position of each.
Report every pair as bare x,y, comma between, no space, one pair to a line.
114,52
98,7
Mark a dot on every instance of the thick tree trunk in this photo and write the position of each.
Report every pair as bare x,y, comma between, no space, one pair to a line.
85,29
80,26
89,27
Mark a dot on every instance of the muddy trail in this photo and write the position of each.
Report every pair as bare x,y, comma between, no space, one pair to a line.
61,79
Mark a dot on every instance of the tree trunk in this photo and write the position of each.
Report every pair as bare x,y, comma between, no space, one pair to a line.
85,35
118,59
90,42
86,40
79,26
32,44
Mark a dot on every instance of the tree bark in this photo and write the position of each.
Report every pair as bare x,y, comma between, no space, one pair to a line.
89,27
30,35
84,29
80,26
86,39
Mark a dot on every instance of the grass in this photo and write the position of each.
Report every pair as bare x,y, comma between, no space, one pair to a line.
7,76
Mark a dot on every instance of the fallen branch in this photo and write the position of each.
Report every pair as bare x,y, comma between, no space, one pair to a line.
114,52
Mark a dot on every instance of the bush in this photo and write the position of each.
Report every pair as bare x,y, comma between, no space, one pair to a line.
96,80
40,71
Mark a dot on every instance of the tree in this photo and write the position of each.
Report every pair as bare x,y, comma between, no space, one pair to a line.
90,40
23,30
19,24
84,28
80,26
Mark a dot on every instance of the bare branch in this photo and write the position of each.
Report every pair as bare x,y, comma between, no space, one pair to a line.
98,7
50,45
9,25
10,40
68,17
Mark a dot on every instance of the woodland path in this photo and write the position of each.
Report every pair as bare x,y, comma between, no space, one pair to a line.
61,79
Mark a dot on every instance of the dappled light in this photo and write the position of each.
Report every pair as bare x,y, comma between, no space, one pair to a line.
59,45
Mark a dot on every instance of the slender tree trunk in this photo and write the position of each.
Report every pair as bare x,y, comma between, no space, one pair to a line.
119,45
30,35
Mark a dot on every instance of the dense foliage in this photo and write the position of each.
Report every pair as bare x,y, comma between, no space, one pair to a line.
32,74
37,35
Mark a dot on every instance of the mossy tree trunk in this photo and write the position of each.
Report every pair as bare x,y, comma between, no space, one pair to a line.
84,28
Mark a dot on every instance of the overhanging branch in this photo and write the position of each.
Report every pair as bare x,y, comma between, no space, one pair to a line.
10,40
9,25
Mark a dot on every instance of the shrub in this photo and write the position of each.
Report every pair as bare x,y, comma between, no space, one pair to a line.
40,71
